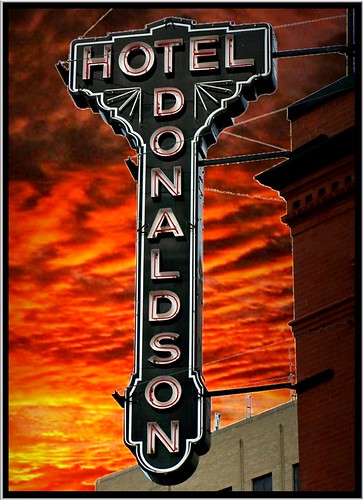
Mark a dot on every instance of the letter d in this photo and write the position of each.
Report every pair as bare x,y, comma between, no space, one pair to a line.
155,298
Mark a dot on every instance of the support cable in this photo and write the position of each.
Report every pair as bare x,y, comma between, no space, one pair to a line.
252,140
95,24
297,23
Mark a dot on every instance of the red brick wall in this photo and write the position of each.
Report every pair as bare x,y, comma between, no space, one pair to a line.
323,249
329,119
326,413
323,229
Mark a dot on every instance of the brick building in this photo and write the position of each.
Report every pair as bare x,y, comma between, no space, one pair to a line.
256,454
318,184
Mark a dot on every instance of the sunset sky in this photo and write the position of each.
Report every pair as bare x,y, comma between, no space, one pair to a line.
72,232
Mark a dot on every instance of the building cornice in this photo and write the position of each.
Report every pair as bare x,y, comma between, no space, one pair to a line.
309,158
322,203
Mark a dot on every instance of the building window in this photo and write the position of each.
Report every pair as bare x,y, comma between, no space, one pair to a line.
262,483
296,204
296,476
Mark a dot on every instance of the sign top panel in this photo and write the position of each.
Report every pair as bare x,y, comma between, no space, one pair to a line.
216,66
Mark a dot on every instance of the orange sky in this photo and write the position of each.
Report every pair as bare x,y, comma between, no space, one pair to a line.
72,217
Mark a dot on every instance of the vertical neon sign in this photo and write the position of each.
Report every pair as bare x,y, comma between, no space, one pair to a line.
170,89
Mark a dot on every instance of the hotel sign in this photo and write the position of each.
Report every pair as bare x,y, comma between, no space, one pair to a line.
170,89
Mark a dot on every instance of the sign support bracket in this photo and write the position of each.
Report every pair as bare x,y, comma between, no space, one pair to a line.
243,158
299,387
341,49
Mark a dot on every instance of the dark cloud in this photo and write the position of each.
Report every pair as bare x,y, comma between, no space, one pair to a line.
94,285
114,353
36,272
20,342
104,193
243,213
241,231
274,248
52,478
24,161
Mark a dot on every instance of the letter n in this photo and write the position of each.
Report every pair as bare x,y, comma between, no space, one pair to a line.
158,176
154,430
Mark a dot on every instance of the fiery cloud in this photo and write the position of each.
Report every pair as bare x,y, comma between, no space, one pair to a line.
72,219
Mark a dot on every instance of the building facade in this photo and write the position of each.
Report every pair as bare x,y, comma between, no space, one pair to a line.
256,454
318,184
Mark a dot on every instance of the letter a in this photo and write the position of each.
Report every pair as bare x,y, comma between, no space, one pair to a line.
158,226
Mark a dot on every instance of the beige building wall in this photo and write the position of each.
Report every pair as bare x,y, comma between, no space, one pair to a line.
263,444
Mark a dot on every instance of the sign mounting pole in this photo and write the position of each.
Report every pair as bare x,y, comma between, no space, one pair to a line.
170,89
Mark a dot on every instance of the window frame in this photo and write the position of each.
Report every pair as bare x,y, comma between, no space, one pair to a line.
262,481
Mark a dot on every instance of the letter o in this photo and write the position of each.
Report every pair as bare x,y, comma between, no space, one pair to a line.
176,391
155,141
144,68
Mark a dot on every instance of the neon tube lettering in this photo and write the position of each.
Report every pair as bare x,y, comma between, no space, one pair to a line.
155,297
104,61
159,102
156,274
154,430
196,53
165,215
174,351
158,176
168,52
157,135
145,67
230,61
174,396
